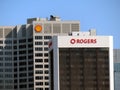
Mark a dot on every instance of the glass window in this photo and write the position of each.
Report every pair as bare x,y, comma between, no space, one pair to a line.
39,72
38,54
39,77
38,66
38,60
46,49
45,43
39,83
47,37
46,54
38,48
38,37
38,43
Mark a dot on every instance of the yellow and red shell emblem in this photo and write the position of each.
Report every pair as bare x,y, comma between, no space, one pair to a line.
38,28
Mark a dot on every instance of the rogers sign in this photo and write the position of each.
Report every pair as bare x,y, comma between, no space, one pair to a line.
83,41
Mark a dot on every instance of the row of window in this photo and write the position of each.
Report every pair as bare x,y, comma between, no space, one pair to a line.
41,83
6,70
6,64
41,66
41,43
45,37
42,89
41,54
41,71
41,77
15,41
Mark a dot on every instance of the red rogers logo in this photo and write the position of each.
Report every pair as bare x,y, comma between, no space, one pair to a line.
83,41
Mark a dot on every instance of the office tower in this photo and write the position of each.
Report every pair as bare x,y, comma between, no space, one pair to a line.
24,52
117,69
81,62
6,58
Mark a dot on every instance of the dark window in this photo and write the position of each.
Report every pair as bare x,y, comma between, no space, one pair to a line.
39,83
1,42
38,54
45,60
47,37
30,40
46,54
39,72
46,49
45,43
38,66
39,77
22,41
38,60
38,48
46,66
38,43
38,37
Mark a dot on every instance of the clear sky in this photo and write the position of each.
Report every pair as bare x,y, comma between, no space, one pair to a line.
103,15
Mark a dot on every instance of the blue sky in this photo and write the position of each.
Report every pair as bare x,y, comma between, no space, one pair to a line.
103,15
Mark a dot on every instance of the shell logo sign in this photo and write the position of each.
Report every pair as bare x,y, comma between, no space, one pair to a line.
38,28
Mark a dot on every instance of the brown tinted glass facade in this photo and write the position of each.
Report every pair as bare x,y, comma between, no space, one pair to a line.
84,68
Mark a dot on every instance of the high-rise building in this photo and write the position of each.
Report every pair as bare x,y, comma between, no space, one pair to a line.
24,63
117,69
81,62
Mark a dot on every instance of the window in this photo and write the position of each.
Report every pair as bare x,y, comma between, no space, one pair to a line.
8,64
1,58
45,60
1,53
46,49
15,41
47,37
46,77
46,83
30,57
46,66
22,63
8,70
39,72
39,88
8,47
23,74
8,53
38,66
38,43
22,41
22,46
30,45
8,58
38,37
39,77
39,83
46,54
46,71
1,42
38,54
8,42
22,57
45,43
38,60
30,40
1,47
46,88
38,49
